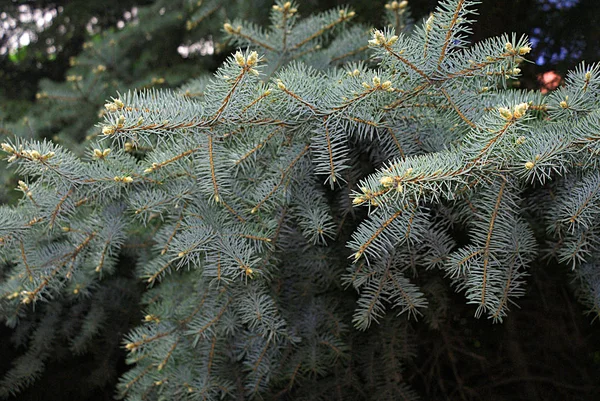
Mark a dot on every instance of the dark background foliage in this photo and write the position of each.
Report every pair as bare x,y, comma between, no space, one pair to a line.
547,350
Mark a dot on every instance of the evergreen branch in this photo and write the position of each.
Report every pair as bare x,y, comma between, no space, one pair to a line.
29,296
492,141
252,40
212,169
159,272
166,359
259,146
329,151
376,234
349,54
281,180
230,93
213,320
27,268
298,98
255,101
405,61
103,255
504,300
488,242
412,308
58,206
449,33
344,17
455,107
156,166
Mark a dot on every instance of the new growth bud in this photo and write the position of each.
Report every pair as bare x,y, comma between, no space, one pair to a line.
7,148
505,113
252,59
239,59
386,181
378,38
524,50
230,29
520,110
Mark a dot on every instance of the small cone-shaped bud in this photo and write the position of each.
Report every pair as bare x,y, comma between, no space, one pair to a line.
529,165
524,50
108,130
252,58
429,23
111,107
386,181
228,28
505,113
280,85
239,59
358,200
520,110
7,148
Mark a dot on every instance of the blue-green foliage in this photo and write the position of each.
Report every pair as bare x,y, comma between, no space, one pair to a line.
241,201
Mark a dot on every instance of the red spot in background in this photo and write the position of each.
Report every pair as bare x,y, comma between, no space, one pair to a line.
549,81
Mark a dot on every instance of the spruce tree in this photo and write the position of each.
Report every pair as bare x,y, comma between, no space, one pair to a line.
294,217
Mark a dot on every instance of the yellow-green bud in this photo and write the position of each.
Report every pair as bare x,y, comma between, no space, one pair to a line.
228,28
7,148
505,113
386,181
520,110
252,58
524,50
239,59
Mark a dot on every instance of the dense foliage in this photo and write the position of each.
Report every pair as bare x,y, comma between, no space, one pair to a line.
327,175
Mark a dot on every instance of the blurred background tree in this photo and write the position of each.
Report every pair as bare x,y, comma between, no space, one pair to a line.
60,61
